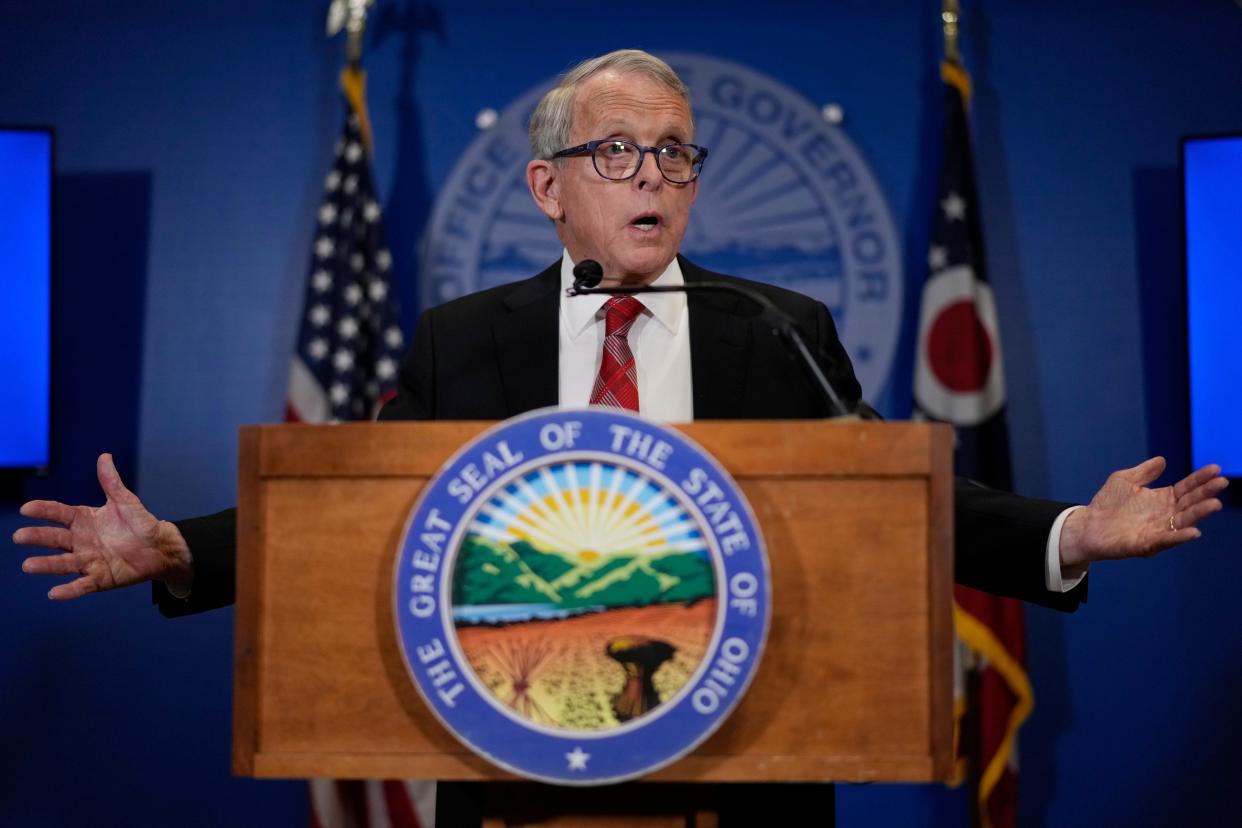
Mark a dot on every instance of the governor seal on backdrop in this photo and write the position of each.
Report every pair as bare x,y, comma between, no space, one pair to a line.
581,597
785,198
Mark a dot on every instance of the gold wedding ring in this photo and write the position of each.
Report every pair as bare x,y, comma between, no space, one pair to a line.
1172,525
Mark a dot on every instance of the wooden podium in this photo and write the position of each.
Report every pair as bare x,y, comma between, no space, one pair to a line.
855,683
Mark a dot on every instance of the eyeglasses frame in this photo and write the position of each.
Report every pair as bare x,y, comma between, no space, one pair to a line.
590,146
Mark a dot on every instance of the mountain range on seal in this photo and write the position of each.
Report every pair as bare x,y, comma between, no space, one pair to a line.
488,572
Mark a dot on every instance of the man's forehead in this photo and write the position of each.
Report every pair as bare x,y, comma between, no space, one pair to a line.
618,124
619,101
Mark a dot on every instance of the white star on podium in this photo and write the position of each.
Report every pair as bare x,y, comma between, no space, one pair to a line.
577,759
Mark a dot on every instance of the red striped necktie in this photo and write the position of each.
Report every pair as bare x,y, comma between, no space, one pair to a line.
617,383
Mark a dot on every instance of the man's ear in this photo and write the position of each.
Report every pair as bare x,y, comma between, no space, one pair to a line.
543,179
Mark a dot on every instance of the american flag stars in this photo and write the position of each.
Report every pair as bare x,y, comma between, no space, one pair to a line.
349,345
954,207
393,338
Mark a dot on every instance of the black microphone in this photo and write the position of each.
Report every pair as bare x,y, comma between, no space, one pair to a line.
588,274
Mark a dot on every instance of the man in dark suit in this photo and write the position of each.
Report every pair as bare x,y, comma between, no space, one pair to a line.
615,172
494,355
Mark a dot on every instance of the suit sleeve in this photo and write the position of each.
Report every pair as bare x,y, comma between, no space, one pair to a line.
213,544
1001,539
1001,542
213,538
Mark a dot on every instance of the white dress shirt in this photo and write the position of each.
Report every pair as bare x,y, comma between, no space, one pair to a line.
660,342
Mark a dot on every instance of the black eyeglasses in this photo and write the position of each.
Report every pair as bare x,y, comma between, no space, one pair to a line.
621,160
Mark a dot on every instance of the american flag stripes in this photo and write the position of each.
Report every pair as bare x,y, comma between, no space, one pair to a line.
371,803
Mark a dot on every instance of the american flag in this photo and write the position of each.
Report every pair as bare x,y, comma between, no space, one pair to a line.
350,343
345,368
959,378
371,803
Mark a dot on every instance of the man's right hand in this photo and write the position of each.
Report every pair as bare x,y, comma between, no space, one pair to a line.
115,545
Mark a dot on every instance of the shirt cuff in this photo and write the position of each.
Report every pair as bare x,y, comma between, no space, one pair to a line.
1056,577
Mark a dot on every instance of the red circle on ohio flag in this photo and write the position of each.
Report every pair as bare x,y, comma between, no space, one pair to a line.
959,349
958,377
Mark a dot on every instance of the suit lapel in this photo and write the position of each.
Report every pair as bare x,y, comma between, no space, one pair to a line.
720,347
527,345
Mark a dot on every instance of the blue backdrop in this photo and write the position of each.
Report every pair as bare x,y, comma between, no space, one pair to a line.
192,141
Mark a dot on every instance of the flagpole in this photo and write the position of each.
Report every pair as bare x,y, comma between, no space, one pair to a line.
356,25
952,70
351,15
950,12
996,690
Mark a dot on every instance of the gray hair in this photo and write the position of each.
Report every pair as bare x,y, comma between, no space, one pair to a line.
552,121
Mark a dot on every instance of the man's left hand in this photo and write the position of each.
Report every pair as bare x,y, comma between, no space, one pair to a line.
1126,519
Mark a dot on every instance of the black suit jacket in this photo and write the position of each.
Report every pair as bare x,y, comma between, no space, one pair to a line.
494,354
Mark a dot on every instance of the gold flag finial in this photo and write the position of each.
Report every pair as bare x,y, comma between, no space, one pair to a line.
949,15
350,15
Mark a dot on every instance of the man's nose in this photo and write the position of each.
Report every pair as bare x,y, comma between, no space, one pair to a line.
648,176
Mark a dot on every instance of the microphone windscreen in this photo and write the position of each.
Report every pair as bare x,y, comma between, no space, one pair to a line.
588,273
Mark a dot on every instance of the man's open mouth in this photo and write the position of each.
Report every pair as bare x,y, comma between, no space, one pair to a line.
646,222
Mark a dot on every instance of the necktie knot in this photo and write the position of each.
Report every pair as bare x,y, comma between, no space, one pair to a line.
619,314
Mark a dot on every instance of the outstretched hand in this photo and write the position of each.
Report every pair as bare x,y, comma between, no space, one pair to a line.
115,545
1126,519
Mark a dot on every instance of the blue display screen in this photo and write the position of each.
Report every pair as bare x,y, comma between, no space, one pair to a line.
25,296
1212,168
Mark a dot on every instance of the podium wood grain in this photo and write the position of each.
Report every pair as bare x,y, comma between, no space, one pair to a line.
854,685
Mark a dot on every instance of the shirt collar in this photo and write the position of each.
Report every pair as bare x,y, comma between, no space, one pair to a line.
581,312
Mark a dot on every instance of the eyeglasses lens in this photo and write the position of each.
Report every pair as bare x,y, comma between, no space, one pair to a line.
619,160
